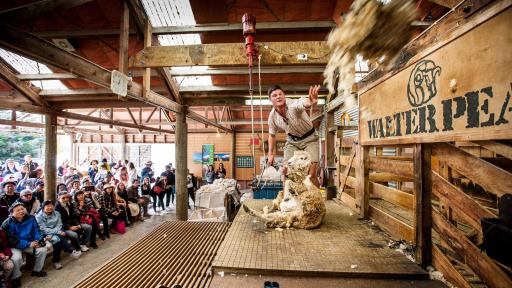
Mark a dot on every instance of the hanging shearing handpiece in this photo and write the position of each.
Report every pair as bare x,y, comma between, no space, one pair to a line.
249,32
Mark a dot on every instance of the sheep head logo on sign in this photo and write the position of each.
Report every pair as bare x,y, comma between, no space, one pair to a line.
422,82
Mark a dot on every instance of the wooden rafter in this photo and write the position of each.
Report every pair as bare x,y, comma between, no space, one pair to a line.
76,116
131,116
37,9
43,51
151,114
25,90
223,54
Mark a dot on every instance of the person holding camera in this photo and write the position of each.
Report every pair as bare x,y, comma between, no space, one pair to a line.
23,236
50,224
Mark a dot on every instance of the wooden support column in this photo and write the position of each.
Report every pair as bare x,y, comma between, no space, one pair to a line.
233,155
329,148
423,207
181,167
123,147
50,165
72,161
146,76
363,180
124,37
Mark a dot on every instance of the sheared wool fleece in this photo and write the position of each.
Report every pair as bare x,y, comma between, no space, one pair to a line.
371,29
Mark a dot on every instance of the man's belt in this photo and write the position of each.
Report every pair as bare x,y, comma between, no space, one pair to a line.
299,138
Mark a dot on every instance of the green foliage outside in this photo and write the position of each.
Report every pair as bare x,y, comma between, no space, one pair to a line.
16,145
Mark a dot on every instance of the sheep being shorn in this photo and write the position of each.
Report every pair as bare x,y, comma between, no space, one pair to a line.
300,205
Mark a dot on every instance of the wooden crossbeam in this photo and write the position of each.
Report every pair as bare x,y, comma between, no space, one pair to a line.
43,51
70,115
11,79
289,25
497,147
131,116
343,180
37,9
225,54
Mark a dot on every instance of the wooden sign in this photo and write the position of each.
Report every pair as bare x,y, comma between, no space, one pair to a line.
458,92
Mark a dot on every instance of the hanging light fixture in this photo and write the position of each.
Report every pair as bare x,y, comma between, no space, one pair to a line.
218,133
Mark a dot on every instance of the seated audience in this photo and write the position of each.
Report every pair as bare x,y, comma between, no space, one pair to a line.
88,214
23,236
5,259
134,197
50,224
9,195
38,191
71,223
31,203
109,208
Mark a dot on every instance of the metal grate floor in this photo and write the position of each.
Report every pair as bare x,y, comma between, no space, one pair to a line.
175,252
331,250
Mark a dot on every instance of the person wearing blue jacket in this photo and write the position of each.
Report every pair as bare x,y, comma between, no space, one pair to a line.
50,224
23,236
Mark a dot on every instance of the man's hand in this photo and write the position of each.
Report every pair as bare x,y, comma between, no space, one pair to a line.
75,228
62,233
34,244
270,159
313,94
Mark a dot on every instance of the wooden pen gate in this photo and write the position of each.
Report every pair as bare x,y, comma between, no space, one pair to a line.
434,151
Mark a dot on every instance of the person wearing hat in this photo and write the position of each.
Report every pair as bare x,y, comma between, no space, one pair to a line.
71,222
148,172
50,224
10,168
87,214
23,236
109,208
38,191
9,195
292,118
31,203
73,185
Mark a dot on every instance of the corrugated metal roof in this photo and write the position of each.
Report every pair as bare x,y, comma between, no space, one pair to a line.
353,112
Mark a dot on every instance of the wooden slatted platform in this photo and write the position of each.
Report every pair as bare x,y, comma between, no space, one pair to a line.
331,250
173,253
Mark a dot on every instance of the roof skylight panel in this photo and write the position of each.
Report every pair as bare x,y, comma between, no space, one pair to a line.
27,66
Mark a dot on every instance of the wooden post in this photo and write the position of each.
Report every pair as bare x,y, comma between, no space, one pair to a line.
181,167
329,148
123,147
423,208
124,38
233,155
363,180
72,161
50,165
146,76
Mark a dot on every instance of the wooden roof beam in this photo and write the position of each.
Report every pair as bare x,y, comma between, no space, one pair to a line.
201,28
446,3
43,51
81,117
32,11
226,54
8,76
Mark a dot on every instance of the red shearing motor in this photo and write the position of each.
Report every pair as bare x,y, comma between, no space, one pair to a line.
249,31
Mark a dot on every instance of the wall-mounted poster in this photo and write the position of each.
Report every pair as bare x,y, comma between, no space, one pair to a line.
208,154
197,158
244,162
221,157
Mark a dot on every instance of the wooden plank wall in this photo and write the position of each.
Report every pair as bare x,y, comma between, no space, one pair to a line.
464,183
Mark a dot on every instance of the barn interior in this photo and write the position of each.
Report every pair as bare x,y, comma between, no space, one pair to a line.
411,175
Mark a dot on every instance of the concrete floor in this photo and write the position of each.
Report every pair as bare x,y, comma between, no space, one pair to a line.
74,270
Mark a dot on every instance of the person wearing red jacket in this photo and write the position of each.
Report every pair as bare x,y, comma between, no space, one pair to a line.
5,258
